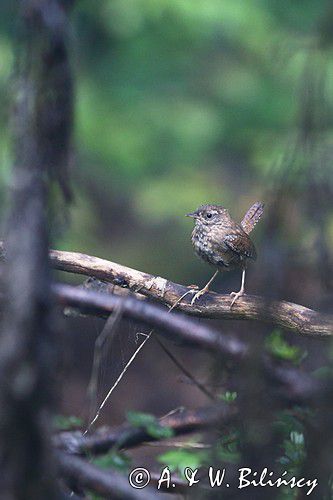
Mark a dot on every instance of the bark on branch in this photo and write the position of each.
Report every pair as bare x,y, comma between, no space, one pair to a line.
293,384
287,315
125,436
212,305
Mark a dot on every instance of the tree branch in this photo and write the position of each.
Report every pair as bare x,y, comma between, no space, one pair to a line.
293,384
77,472
212,305
177,326
287,315
126,436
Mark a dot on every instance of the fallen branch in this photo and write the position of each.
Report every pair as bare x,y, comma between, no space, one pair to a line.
295,385
287,315
212,305
126,436
177,326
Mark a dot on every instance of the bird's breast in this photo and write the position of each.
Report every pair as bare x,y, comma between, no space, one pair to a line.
207,248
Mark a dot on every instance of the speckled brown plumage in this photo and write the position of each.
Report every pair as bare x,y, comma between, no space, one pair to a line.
252,216
222,242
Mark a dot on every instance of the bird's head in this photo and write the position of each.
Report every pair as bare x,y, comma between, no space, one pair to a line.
209,215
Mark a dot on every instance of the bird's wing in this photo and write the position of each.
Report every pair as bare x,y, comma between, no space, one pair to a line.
252,216
240,243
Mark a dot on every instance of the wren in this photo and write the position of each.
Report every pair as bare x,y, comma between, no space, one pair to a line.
224,243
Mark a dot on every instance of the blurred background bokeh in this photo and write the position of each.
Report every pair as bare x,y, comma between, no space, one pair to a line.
179,103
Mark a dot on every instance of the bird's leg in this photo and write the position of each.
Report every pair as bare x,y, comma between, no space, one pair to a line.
241,292
204,289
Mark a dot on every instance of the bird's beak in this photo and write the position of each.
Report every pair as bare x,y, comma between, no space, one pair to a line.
192,214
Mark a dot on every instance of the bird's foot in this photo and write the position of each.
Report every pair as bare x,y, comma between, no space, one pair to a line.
198,294
192,290
235,296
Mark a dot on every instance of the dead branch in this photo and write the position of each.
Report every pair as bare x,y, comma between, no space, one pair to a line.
177,326
212,305
126,436
287,315
292,384
109,484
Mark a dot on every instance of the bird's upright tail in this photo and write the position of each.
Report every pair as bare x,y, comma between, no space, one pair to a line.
252,216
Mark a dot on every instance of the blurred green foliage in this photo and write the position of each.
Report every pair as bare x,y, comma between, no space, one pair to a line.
180,458
281,349
113,460
228,397
64,423
180,103
150,424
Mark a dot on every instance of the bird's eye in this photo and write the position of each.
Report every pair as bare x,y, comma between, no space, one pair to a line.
209,215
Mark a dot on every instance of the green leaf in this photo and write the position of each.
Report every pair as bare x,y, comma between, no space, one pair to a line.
291,420
228,396
159,431
150,423
294,451
113,460
63,423
280,348
138,419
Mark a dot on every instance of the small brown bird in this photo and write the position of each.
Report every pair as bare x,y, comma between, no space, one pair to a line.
224,243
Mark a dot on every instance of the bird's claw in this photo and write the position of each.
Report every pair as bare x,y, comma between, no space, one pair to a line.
236,296
193,291
198,294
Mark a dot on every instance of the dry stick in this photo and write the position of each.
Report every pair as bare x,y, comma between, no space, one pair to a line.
284,314
179,365
185,371
107,331
126,367
183,444
130,361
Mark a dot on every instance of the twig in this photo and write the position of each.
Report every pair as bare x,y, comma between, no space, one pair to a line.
180,444
107,333
124,370
100,341
189,375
